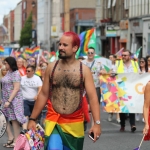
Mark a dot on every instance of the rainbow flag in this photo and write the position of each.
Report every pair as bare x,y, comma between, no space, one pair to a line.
29,51
38,73
1,50
23,55
36,50
66,128
87,39
17,54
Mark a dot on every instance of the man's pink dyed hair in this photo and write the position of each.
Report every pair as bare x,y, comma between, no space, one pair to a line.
75,38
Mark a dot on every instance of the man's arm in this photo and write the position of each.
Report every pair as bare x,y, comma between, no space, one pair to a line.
146,107
93,100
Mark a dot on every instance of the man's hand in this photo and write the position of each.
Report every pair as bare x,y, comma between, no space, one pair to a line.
103,72
31,125
96,129
145,130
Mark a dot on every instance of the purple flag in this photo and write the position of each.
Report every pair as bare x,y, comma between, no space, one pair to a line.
137,148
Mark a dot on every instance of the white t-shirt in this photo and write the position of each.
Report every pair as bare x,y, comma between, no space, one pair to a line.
30,87
95,69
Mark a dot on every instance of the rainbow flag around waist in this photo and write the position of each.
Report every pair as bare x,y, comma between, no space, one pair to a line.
69,127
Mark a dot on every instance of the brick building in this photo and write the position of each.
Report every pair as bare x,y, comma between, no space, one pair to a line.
113,25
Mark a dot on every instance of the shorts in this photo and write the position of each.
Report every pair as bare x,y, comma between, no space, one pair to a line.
28,107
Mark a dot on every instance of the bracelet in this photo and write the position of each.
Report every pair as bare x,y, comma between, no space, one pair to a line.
32,119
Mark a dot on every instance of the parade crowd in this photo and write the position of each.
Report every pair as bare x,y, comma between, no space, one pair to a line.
54,99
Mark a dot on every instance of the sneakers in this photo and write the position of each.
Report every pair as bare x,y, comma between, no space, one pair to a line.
137,117
110,117
122,129
118,120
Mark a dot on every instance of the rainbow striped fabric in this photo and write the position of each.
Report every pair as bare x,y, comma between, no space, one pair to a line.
38,73
66,128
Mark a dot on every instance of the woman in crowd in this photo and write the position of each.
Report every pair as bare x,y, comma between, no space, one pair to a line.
3,72
21,67
12,101
143,68
32,61
143,65
148,62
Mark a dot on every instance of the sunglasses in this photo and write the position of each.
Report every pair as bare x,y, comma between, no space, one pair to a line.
124,55
28,71
141,61
90,53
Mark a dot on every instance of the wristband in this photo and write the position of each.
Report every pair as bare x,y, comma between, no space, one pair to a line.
32,119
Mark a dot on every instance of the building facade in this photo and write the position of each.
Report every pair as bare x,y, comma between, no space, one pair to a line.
139,26
17,22
113,25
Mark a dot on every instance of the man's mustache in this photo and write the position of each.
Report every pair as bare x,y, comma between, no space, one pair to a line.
61,51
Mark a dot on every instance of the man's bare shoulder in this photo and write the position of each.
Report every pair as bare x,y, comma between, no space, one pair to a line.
86,70
50,67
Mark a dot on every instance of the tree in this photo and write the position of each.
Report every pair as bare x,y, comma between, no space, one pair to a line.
26,33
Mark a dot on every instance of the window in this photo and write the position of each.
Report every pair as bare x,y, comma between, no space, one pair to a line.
24,5
126,4
114,3
109,4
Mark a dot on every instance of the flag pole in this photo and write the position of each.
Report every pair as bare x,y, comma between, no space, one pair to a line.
141,141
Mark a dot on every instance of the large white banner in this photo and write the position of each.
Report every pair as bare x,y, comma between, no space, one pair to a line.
124,92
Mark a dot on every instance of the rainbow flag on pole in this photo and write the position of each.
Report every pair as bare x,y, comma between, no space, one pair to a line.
66,128
87,39
1,50
29,51
36,50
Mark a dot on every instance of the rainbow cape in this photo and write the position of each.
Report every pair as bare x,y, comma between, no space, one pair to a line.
68,127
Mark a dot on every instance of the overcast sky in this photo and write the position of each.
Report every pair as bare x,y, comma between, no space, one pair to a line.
6,6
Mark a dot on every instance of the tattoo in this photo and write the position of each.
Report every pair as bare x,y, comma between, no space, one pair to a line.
59,69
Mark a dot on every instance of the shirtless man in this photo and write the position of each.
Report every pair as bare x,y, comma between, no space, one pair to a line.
69,78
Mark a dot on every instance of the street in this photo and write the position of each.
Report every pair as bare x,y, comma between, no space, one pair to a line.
111,138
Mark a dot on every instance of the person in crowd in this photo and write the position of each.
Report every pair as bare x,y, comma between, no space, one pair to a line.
31,86
146,112
43,67
64,83
143,65
143,69
96,69
12,100
148,62
3,72
32,61
126,65
21,67
113,60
